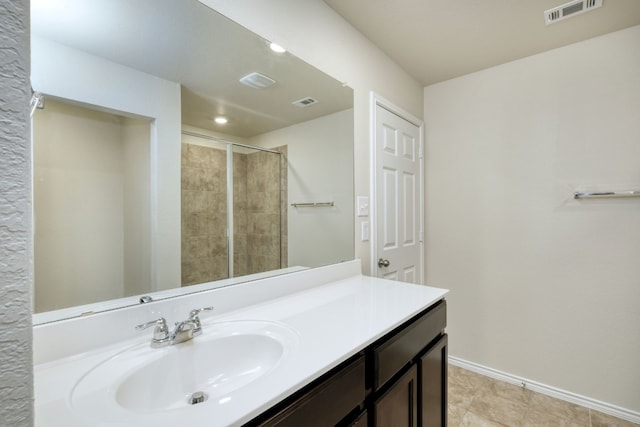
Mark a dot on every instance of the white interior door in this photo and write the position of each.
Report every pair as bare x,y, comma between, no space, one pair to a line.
398,194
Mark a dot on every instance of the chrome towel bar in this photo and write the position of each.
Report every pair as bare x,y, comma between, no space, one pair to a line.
312,205
605,194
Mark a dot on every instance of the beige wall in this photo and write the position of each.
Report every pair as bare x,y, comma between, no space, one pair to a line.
320,168
542,286
137,204
71,74
312,31
91,206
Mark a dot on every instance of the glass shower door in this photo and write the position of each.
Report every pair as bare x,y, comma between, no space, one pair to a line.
233,211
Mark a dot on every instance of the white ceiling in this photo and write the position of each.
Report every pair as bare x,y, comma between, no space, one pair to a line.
186,42
436,40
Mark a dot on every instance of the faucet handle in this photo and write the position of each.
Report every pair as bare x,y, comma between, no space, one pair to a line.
160,333
193,314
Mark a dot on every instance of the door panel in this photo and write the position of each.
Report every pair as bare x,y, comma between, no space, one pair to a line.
391,276
398,207
389,140
409,221
409,275
409,145
390,210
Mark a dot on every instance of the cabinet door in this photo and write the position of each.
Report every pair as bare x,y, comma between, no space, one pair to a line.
326,404
362,421
398,406
433,381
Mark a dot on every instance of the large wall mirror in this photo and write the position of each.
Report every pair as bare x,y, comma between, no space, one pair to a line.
174,151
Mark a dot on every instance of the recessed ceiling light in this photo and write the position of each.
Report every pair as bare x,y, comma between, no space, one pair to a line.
221,120
277,48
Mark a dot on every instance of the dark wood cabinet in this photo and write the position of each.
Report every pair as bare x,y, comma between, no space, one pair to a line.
433,385
361,421
398,406
399,380
418,348
403,346
334,400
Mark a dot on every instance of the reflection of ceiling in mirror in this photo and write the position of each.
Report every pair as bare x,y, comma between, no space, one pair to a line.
186,42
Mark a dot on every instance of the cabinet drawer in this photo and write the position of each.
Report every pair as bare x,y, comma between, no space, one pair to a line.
328,403
394,353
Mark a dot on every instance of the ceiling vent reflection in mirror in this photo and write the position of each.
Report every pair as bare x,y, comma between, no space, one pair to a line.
305,102
569,10
257,80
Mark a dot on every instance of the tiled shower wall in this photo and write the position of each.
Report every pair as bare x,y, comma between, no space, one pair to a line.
204,214
259,213
264,212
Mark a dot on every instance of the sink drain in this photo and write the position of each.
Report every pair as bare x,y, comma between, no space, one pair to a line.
197,397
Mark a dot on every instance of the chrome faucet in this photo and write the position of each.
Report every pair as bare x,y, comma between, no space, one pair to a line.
183,331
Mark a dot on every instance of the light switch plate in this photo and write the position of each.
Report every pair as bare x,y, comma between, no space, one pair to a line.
362,205
365,231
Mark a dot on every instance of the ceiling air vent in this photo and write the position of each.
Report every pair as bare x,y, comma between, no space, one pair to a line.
257,80
305,102
570,9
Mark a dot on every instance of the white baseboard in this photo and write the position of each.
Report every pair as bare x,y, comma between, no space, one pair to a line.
616,411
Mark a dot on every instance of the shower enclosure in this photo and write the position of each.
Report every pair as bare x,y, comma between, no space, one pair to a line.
233,209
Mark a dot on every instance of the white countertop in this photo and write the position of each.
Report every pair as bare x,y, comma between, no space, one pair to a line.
332,321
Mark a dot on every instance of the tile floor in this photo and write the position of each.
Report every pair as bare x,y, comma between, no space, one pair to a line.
479,401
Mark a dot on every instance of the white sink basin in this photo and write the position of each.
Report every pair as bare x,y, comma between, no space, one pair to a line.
143,380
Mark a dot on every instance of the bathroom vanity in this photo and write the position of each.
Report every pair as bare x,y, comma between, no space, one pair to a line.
400,380
318,347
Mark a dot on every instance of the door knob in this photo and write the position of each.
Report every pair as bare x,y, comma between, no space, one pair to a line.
383,263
